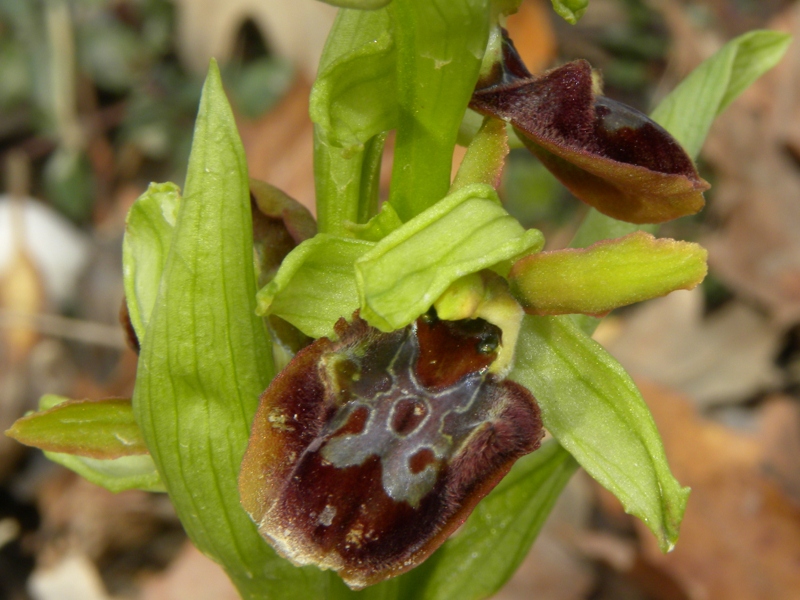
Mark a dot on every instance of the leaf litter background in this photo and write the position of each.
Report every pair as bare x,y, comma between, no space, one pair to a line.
719,366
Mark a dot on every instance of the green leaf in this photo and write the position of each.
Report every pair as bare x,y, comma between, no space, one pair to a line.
137,472
440,46
101,429
592,407
689,110
485,553
570,10
316,284
148,235
401,277
206,359
606,275
353,101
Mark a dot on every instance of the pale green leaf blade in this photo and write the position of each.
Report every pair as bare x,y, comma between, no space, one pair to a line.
315,284
206,359
137,472
402,276
592,407
478,560
101,429
148,234
689,110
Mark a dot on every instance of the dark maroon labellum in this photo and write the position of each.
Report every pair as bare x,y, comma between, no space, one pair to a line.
368,452
608,154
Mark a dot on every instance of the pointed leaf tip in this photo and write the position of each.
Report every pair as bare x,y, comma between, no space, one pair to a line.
100,429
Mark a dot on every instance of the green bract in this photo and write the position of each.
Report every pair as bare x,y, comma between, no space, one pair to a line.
205,359
594,410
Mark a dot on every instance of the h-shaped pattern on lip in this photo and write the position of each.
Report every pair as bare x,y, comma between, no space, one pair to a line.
366,453
411,428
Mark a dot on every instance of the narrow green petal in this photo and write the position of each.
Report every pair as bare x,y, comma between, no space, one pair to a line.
402,276
606,275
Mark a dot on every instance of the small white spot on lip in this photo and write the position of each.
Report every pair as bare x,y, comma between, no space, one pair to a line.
327,515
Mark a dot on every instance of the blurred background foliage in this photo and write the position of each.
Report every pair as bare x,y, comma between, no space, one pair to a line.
98,98
81,74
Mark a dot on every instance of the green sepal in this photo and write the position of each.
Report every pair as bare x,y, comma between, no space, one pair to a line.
353,101
148,235
606,275
315,285
354,95
593,408
467,231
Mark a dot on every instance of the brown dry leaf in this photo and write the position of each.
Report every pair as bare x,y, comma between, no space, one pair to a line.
780,437
78,516
726,357
740,538
21,294
191,575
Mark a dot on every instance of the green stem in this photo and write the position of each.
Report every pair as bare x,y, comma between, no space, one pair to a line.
440,45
